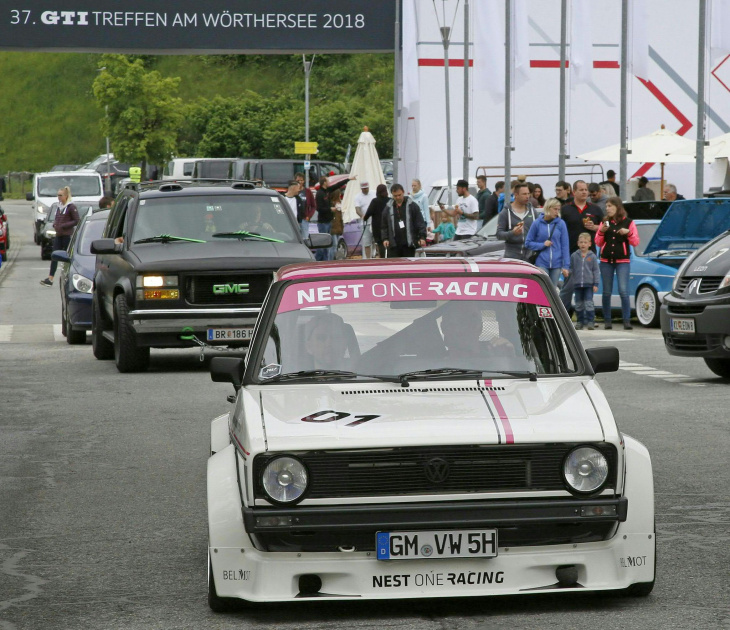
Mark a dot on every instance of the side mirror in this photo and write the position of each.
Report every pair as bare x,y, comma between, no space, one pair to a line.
60,255
227,370
319,241
104,246
29,196
603,359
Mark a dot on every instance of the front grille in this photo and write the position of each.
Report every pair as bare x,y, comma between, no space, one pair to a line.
685,309
709,284
434,470
509,536
688,343
199,288
683,283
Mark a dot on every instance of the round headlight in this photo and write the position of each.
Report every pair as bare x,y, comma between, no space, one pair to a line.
585,469
284,479
82,283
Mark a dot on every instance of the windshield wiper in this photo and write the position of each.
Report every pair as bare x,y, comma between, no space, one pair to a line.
242,234
313,374
447,372
167,238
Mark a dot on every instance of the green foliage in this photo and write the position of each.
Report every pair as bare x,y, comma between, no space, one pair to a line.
144,113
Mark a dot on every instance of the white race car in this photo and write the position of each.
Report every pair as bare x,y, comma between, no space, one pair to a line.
421,428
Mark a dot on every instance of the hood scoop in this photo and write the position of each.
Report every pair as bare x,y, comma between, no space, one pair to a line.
419,390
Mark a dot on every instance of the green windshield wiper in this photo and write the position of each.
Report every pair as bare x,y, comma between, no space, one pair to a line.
167,238
313,374
241,234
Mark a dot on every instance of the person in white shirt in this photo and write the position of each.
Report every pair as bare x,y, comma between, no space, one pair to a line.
294,201
467,211
362,203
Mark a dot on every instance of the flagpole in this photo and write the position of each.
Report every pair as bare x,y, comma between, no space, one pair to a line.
507,100
563,38
445,36
466,90
396,92
624,81
700,158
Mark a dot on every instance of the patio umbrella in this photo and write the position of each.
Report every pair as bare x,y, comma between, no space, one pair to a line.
366,168
660,146
717,147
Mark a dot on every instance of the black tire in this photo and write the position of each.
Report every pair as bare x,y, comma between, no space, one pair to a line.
63,323
721,367
102,348
73,337
127,355
220,604
341,251
647,306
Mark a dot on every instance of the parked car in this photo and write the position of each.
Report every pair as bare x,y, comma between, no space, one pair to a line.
179,168
421,428
695,316
65,167
4,236
99,159
193,266
48,232
482,243
278,173
86,189
77,276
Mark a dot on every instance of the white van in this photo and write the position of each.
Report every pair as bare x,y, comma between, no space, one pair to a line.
179,168
86,190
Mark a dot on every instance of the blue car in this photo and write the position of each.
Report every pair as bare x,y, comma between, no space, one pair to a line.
76,277
649,281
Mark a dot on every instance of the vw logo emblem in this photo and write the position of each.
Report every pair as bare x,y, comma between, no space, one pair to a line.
437,470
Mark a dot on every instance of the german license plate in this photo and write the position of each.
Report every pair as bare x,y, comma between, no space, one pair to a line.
682,325
477,543
241,333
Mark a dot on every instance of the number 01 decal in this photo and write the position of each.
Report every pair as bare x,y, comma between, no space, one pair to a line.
332,416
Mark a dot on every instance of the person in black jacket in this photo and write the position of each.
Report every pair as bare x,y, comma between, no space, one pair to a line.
324,213
402,228
375,213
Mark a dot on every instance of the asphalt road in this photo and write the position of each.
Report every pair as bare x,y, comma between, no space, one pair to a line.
102,488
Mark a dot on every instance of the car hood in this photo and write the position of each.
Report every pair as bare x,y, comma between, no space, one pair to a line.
712,260
463,247
688,225
219,255
298,417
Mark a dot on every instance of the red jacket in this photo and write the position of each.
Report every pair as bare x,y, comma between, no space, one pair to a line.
65,220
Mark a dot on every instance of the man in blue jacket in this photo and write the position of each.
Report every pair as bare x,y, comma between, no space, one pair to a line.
548,235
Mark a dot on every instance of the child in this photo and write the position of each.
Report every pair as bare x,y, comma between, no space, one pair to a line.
446,228
584,269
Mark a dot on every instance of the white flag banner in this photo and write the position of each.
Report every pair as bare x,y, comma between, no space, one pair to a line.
639,39
720,28
520,42
581,43
488,69
411,87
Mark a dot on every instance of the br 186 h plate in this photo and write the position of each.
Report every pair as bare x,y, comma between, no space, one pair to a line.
242,333
478,543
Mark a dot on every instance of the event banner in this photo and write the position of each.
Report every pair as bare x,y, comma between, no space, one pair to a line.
190,27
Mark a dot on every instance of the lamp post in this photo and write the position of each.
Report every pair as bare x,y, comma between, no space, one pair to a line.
307,71
108,182
445,38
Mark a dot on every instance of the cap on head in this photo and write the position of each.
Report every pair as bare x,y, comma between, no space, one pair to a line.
364,185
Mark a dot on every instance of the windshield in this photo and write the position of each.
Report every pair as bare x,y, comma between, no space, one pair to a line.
387,328
200,217
80,185
490,227
646,231
92,230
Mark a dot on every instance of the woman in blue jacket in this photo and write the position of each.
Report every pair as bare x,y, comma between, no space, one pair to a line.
548,236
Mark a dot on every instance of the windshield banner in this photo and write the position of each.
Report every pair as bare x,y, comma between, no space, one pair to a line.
318,294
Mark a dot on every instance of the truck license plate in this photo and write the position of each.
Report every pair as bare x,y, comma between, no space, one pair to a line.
242,333
682,325
478,543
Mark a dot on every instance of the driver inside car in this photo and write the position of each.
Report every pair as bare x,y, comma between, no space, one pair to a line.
254,224
461,327
328,341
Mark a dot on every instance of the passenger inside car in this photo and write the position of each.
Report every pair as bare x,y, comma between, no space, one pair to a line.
330,344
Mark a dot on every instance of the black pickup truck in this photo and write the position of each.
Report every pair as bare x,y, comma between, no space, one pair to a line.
188,260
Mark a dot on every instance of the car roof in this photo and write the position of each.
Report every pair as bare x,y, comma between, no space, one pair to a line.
99,215
404,267
82,173
189,187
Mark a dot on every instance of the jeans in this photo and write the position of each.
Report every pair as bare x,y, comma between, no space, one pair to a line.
59,242
584,309
553,273
622,272
304,228
401,251
324,254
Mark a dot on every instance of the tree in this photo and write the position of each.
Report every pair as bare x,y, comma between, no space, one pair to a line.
144,112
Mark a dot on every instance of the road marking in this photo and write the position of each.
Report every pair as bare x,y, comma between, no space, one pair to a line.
669,377
57,334
30,333
6,332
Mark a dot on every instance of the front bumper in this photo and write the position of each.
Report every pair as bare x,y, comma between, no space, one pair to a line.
79,310
162,328
712,325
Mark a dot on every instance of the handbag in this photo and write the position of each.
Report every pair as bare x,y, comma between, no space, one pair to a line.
338,225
